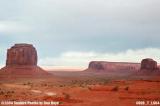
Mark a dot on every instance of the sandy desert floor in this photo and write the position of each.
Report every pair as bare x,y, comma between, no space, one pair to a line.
81,89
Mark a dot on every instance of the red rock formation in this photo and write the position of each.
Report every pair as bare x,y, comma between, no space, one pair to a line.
112,66
21,54
148,68
148,64
21,62
97,65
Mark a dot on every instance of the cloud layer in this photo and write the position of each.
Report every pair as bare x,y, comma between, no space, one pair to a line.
100,26
81,59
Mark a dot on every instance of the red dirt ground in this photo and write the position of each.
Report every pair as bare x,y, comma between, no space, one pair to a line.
81,89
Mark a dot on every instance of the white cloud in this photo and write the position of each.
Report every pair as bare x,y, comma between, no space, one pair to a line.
81,59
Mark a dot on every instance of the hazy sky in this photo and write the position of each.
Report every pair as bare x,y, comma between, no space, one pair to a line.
74,32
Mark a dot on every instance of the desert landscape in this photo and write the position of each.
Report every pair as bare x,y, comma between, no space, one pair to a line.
101,84
79,52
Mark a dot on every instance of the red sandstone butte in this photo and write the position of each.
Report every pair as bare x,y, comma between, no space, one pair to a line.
148,64
22,62
21,54
149,67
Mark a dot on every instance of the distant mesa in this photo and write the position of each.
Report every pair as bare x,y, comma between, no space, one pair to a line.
97,65
149,64
103,66
22,62
147,67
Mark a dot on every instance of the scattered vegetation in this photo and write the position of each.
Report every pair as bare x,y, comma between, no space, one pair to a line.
85,83
44,84
62,85
2,92
90,88
27,83
66,95
116,88
7,95
6,92
126,88
60,102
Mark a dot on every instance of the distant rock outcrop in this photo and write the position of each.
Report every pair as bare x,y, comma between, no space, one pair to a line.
112,66
21,62
148,68
148,64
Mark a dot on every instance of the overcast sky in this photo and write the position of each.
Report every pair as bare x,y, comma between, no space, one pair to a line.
74,32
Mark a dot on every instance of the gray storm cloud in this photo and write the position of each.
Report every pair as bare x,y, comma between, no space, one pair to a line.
83,25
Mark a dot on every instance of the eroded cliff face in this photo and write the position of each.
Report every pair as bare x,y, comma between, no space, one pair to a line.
21,54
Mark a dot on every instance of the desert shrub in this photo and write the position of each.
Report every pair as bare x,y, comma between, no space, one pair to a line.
89,88
8,92
66,96
126,88
116,88
44,85
7,95
29,83
61,85
12,92
2,93
60,102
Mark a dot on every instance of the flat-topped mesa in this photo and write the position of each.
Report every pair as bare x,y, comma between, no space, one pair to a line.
112,66
96,65
21,54
148,64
